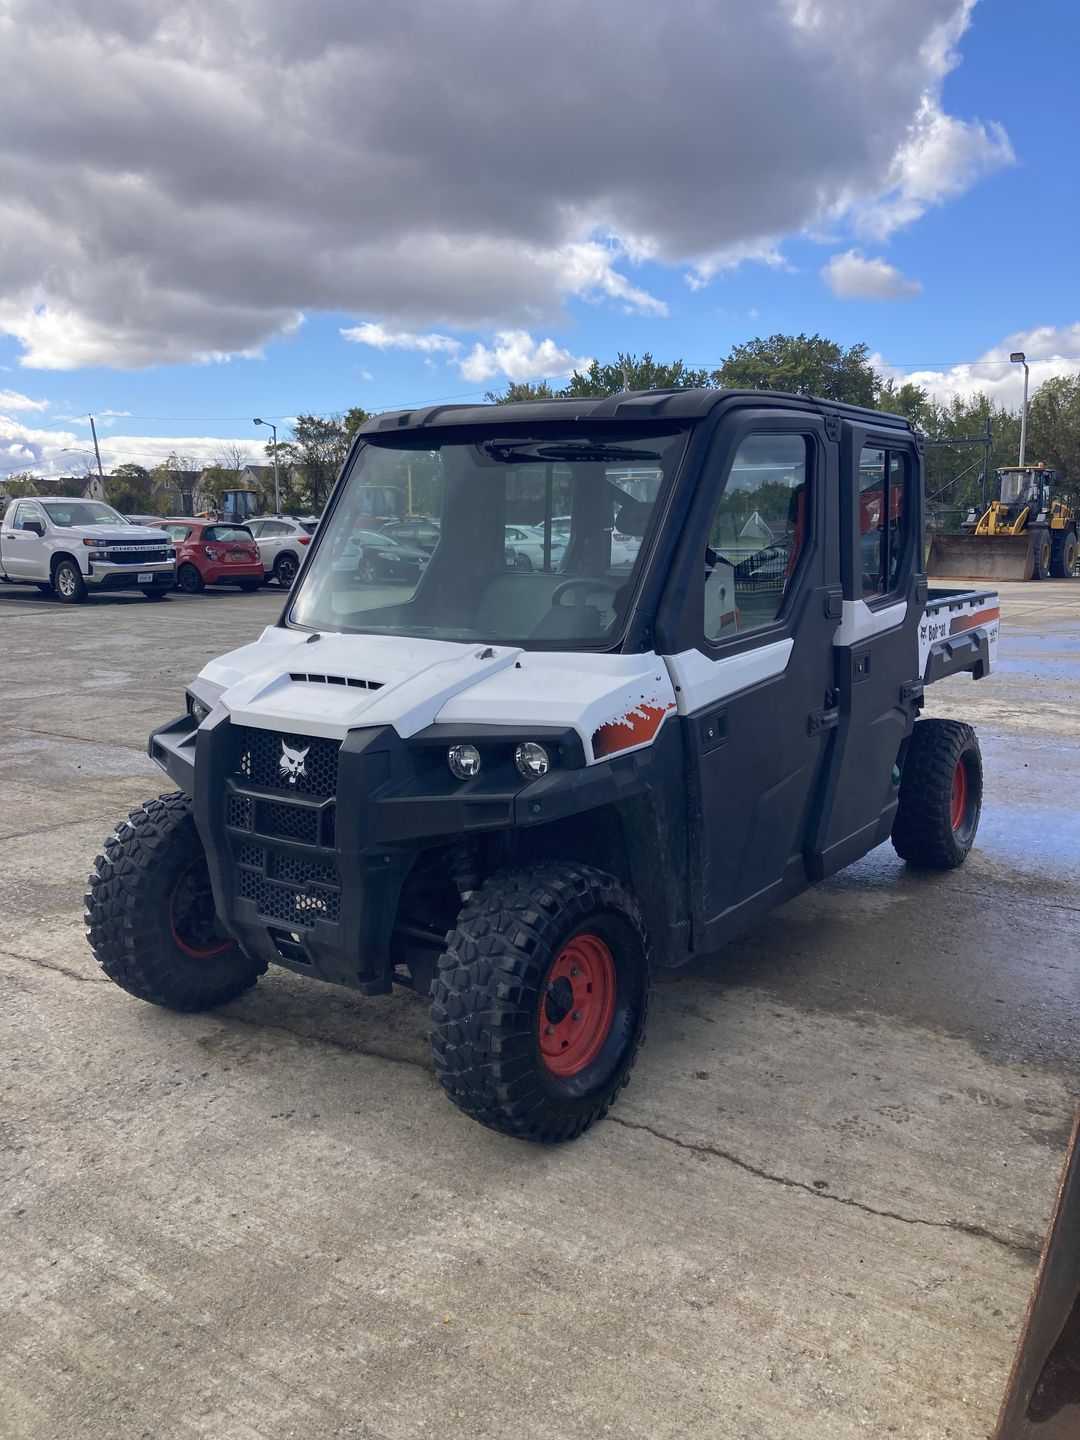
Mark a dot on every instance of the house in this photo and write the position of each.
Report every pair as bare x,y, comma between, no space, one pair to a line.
87,487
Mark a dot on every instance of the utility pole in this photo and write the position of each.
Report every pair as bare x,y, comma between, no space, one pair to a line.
97,452
277,486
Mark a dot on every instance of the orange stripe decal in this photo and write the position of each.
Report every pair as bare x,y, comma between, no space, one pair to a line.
636,727
980,617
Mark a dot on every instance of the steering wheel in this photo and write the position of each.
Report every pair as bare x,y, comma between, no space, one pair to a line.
582,582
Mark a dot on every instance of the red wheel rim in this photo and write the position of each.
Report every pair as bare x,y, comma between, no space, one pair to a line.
577,1006
184,919
959,795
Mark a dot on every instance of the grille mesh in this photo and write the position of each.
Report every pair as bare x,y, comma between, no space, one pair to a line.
295,906
238,811
311,764
287,822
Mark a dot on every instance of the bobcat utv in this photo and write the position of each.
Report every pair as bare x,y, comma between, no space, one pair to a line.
521,791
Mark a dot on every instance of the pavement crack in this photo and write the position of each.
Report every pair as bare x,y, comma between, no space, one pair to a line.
979,1232
59,969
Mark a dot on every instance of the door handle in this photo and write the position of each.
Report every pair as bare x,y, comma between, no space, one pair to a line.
827,718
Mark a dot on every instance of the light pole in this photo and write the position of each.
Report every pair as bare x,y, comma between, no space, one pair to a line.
1019,358
277,488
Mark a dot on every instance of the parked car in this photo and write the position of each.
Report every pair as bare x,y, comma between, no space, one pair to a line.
211,552
417,531
70,547
375,556
526,544
281,540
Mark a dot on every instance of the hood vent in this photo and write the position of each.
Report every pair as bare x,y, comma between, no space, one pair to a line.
300,678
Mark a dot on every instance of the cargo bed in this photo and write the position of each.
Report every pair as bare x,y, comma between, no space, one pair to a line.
958,633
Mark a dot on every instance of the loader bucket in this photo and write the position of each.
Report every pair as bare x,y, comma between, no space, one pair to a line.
982,557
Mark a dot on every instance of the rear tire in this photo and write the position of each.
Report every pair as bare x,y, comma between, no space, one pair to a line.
67,583
1040,554
189,580
539,1003
285,568
941,791
1063,563
150,916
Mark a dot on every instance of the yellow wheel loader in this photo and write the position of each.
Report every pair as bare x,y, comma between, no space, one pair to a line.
1026,534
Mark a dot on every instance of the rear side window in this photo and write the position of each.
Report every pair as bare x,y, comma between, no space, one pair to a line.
884,519
757,536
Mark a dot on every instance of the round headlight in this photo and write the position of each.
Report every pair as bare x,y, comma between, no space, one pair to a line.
197,708
464,761
532,760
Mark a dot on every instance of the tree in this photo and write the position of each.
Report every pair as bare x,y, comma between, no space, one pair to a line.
1054,428
354,418
803,364
630,373
130,488
320,443
231,458
520,390
19,485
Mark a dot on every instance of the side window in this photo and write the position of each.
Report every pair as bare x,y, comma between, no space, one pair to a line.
884,519
28,512
757,536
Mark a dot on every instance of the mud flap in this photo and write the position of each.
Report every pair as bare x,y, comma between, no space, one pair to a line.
1042,1399
982,557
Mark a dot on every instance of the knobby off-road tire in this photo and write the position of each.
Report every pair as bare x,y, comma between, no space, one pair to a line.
940,795
68,585
539,1002
150,918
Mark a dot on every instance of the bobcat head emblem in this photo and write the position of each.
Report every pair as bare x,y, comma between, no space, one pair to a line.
291,763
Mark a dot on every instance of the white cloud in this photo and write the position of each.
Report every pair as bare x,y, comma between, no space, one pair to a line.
1051,350
940,159
209,179
854,276
515,354
381,338
15,400
63,452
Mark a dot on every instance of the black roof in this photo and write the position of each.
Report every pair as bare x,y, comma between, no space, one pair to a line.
642,405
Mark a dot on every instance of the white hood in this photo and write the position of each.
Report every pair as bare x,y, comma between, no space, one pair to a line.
615,702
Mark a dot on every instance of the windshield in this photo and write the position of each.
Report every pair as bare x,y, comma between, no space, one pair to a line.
83,512
530,541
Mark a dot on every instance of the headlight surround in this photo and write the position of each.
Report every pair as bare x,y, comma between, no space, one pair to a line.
202,696
532,760
464,761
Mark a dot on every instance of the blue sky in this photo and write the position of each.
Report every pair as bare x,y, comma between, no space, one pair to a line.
976,260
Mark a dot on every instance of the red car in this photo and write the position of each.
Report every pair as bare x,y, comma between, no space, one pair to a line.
209,552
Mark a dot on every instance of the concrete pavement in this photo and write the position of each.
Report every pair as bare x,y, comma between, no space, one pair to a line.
815,1212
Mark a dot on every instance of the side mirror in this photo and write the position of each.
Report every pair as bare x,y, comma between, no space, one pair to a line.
36,527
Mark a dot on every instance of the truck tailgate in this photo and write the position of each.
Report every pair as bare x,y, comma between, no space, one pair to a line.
959,632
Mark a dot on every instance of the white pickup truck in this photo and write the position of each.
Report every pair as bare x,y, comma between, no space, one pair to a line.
69,547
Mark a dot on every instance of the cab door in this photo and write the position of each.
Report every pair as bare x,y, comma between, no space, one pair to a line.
877,681
25,553
756,691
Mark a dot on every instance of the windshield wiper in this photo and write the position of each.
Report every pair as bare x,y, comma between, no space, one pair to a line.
521,452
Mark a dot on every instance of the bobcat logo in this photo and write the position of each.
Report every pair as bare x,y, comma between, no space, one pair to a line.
291,763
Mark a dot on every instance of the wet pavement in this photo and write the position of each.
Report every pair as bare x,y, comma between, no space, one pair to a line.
815,1212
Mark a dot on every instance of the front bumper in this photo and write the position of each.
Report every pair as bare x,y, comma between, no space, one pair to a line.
106,575
313,881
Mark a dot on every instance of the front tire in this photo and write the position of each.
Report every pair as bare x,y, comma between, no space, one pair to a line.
1063,564
150,915
539,1003
68,584
941,791
1040,554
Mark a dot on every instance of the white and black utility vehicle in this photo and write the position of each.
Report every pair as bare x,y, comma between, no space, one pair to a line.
70,548
523,791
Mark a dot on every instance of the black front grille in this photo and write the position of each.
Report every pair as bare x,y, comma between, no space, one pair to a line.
238,812
298,764
287,822
287,887
136,557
